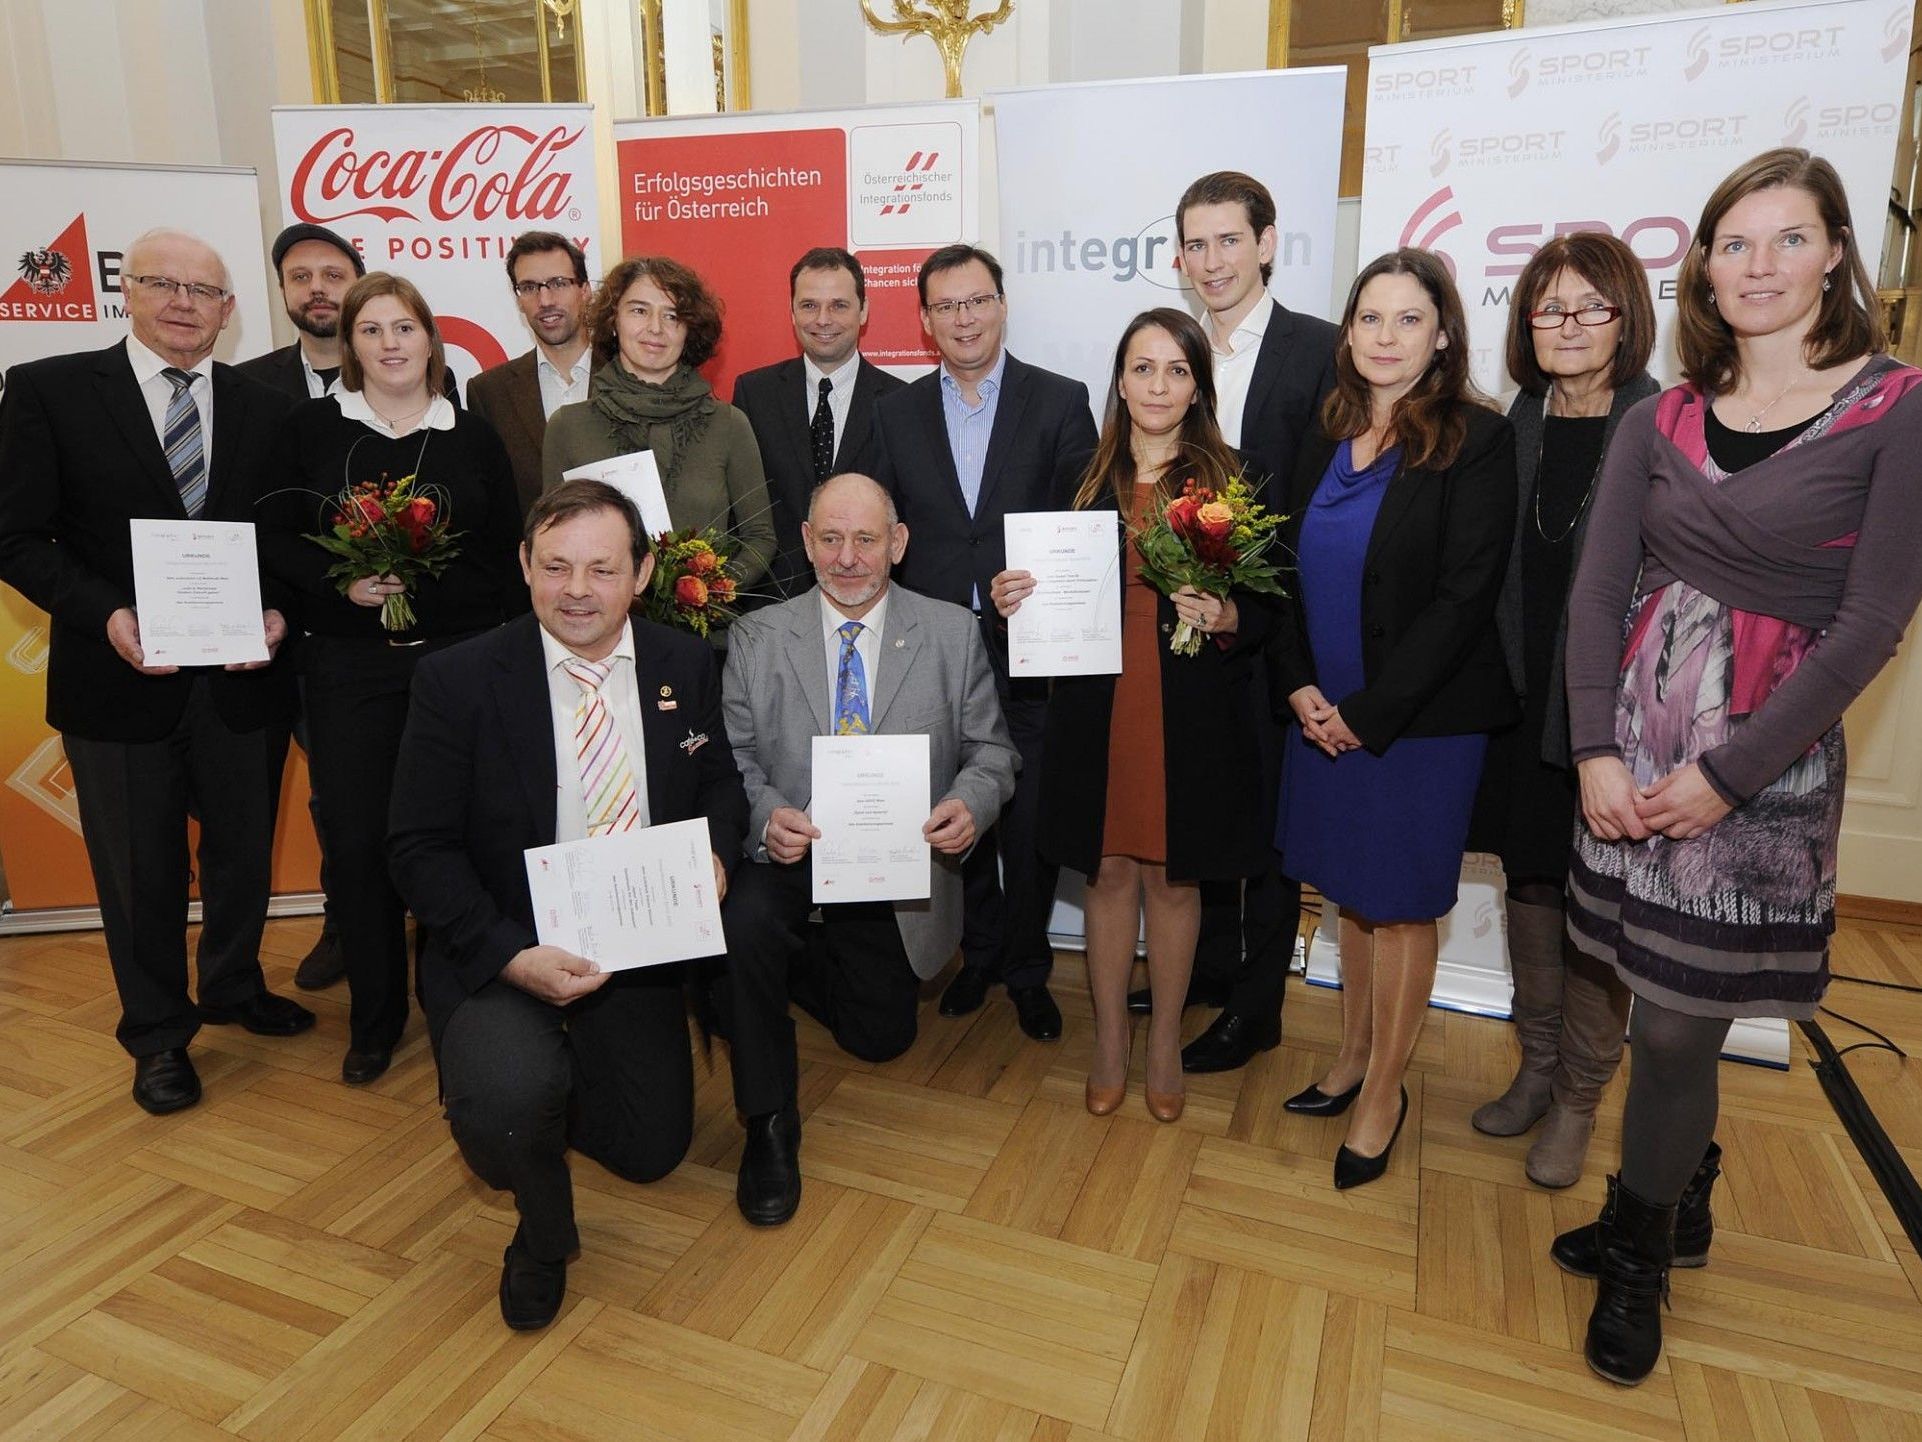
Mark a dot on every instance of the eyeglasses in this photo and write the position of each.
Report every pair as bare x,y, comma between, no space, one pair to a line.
197,291
527,289
943,309
1586,315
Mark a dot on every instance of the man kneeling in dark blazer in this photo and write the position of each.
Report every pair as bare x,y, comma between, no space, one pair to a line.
539,1050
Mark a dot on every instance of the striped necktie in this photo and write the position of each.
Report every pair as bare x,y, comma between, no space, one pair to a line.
850,685
608,792
180,439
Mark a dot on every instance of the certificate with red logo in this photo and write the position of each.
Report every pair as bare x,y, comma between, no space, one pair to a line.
1070,624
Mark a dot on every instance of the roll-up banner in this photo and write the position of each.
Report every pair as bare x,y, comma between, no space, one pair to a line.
1481,147
438,193
64,231
740,197
1086,244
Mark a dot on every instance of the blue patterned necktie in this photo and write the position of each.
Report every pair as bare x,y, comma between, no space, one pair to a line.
181,440
850,686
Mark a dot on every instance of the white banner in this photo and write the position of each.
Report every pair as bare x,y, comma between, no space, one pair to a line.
438,193
65,228
1483,146
1088,177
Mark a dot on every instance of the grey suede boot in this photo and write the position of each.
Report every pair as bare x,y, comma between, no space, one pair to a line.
1594,1025
1535,959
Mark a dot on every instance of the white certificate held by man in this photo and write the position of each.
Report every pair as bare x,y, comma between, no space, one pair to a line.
631,898
1070,624
871,799
636,475
196,589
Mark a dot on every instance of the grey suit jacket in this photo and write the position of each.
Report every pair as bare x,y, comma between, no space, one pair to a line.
508,398
933,680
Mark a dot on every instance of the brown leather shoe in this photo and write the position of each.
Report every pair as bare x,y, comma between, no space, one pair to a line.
1165,1106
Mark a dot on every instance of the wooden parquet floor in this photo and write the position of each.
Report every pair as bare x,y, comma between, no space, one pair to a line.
976,1257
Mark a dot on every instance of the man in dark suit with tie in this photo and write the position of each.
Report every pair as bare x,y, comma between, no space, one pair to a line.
154,428
540,1050
980,437
812,415
1272,368
549,275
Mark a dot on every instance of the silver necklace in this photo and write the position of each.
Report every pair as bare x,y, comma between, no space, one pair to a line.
1595,475
1754,425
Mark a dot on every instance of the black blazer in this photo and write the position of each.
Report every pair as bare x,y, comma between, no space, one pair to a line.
508,398
78,460
281,370
474,788
776,402
1042,439
1431,655
1294,369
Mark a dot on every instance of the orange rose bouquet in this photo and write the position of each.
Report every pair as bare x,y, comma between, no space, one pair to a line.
693,586
1215,541
388,528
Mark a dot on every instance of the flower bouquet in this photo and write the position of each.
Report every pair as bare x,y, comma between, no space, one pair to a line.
693,586
387,528
1215,541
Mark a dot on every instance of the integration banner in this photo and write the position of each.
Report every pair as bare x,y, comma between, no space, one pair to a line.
1481,147
64,232
1086,247
740,197
438,193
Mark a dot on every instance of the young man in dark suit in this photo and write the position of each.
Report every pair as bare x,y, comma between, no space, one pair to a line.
812,415
549,275
1272,368
154,428
539,1050
984,435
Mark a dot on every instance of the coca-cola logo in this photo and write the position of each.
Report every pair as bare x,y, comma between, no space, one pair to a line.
503,170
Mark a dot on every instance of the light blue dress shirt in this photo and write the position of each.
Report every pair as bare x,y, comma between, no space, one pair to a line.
969,427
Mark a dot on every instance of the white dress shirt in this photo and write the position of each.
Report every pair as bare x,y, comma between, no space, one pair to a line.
867,646
621,691
439,415
158,392
840,397
559,390
315,387
1235,367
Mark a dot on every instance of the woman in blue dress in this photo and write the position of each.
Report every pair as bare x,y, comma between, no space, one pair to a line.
1403,512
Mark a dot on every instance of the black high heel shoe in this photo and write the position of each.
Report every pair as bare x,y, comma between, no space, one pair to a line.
1352,1169
1312,1101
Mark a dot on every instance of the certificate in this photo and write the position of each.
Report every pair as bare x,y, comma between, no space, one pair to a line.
196,589
636,475
1070,624
870,803
630,898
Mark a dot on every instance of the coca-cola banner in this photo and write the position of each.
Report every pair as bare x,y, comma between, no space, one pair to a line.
1481,147
740,197
438,193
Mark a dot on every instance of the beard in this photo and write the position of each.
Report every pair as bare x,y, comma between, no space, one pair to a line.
851,591
318,329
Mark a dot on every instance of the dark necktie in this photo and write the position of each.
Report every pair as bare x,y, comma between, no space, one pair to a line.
181,440
821,432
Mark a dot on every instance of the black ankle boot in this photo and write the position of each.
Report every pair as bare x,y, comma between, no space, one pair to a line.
1625,1329
1577,1251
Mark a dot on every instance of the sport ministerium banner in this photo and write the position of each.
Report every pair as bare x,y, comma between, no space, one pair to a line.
1482,147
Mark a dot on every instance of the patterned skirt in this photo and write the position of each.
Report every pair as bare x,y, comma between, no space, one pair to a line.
1735,922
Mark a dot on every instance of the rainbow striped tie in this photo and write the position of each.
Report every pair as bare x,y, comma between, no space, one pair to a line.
607,780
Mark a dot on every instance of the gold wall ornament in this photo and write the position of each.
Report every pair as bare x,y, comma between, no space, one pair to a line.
560,10
945,22
483,93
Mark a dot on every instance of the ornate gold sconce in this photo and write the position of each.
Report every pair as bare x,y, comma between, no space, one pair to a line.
945,22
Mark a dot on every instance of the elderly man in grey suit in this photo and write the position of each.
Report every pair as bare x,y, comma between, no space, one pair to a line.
852,655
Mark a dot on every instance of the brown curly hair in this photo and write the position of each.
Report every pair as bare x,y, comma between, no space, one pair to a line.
697,307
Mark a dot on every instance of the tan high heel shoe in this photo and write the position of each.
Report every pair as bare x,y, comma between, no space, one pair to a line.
1165,1106
1104,1100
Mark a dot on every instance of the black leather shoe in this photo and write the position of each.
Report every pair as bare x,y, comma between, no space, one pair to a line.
1231,1041
531,1290
1312,1101
1580,1252
358,1068
965,993
768,1189
1352,1169
1200,993
166,1081
263,1015
1034,1008
323,966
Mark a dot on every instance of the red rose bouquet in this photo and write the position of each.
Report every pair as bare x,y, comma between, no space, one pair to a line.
693,586
1215,541
387,528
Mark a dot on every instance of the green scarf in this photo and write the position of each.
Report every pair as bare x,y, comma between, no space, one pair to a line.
668,420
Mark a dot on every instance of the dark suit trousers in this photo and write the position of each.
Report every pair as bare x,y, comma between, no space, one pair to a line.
313,812
134,800
1008,891
851,974
610,1075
